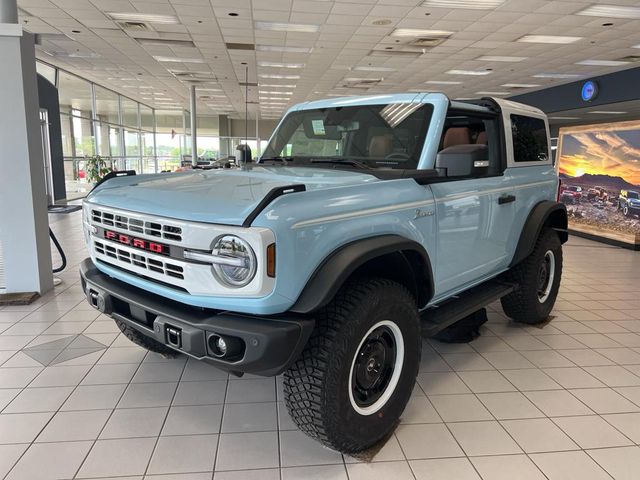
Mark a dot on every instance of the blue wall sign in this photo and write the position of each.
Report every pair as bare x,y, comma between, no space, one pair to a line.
589,90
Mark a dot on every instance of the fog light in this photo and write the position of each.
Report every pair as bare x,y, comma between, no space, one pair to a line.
226,347
221,345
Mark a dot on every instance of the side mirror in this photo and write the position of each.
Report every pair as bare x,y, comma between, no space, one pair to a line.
245,153
463,161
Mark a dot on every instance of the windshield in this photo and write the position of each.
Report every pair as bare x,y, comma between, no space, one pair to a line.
388,136
632,195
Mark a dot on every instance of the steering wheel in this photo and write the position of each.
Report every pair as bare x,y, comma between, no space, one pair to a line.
398,156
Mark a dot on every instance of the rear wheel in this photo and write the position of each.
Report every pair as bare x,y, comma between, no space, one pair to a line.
538,280
625,211
144,341
355,376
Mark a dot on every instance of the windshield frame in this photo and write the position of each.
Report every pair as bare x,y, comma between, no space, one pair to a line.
419,153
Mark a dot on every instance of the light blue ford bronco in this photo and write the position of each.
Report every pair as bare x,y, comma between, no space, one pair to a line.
367,223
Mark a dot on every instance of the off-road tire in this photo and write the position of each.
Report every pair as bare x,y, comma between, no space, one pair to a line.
144,341
523,305
317,385
626,211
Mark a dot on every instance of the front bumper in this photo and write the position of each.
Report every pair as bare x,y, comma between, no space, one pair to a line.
270,343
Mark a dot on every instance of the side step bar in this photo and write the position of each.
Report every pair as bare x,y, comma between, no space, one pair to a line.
439,317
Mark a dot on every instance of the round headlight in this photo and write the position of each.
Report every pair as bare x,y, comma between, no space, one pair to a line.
237,261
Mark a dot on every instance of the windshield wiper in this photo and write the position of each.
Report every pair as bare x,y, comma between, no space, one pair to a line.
341,161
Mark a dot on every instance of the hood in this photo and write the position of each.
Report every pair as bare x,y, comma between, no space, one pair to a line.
214,196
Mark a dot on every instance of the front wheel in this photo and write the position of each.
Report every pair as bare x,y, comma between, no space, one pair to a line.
355,376
625,211
538,280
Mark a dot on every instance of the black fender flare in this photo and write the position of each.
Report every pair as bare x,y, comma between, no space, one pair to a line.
545,213
411,257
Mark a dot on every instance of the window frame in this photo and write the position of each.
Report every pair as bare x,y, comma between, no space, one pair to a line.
508,132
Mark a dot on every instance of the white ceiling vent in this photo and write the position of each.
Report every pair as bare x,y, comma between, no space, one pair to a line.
134,26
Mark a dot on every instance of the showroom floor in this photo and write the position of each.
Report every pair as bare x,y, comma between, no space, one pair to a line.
78,400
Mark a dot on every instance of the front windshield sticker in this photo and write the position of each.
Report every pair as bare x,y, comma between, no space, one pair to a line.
318,127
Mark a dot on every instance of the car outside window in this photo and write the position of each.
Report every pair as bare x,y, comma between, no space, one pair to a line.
530,143
389,136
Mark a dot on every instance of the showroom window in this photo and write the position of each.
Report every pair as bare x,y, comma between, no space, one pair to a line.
530,142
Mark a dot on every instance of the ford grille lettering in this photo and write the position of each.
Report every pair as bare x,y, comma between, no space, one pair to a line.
137,242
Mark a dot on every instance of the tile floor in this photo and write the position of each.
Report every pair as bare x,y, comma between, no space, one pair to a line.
77,400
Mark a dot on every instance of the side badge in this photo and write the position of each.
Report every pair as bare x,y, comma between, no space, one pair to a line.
422,213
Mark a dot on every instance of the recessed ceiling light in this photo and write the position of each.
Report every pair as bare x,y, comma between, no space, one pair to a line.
500,58
382,22
442,82
374,69
416,32
359,79
467,4
161,58
280,65
468,72
269,92
144,17
555,39
278,48
287,27
284,77
165,42
207,89
556,75
273,98
602,63
270,85
519,85
611,11
607,112
493,93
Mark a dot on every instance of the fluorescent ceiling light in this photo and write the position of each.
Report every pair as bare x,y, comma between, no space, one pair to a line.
274,98
269,92
207,89
374,69
284,77
467,4
274,103
270,85
442,82
602,63
280,65
416,32
278,48
500,58
556,75
519,85
287,27
564,118
611,11
161,58
493,93
606,112
165,42
468,72
360,79
144,17
555,39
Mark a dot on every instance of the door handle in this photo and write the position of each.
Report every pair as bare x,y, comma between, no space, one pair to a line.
506,199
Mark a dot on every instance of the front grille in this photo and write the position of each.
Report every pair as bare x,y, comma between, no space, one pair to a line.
139,260
136,225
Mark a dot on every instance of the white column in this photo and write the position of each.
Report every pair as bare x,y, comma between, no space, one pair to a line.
24,233
194,127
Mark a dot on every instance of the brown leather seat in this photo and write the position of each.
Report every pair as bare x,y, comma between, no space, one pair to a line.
482,138
456,136
380,146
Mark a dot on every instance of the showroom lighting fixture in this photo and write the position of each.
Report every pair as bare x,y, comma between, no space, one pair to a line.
144,17
165,42
278,48
416,32
367,68
556,75
273,85
519,85
271,92
602,63
161,58
468,72
207,89
442,82
283,77
287,27
564,118
611,11
553,39
280,65
282,99
466,4
365,80
607,112
500,58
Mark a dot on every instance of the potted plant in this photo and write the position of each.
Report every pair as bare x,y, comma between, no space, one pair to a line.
96,168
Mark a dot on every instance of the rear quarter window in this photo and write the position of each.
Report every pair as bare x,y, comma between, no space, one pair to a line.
530,143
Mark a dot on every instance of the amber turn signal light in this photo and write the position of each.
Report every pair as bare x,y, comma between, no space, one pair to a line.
271,260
